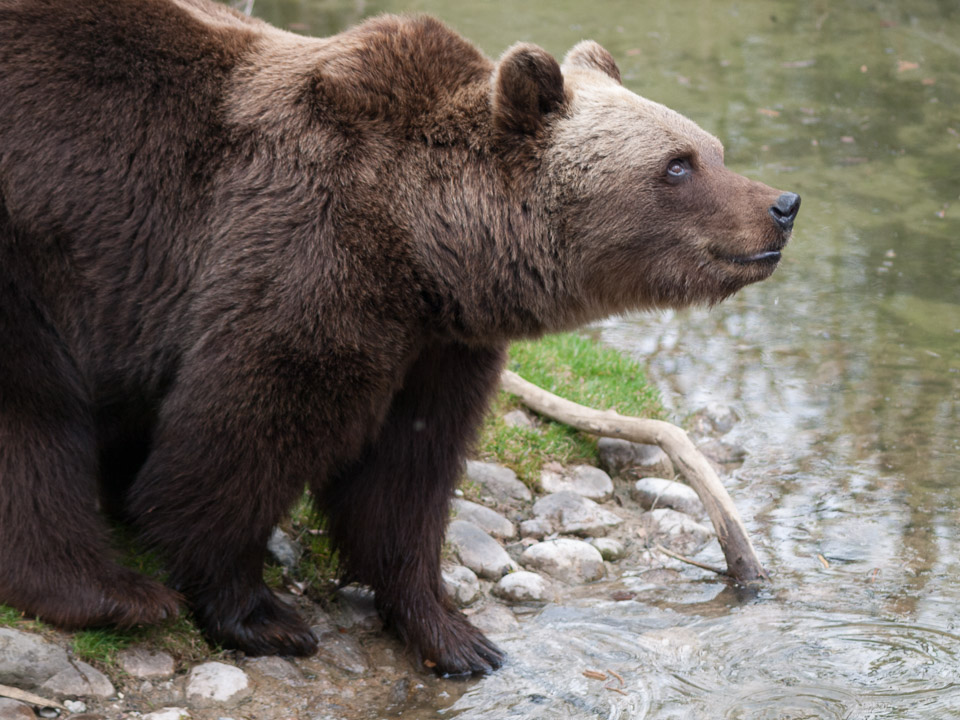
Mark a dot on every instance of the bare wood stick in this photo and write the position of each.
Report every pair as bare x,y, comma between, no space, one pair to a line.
742,562
691,561
23,696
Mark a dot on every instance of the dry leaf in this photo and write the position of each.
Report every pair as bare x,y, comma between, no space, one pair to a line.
904,65
768,112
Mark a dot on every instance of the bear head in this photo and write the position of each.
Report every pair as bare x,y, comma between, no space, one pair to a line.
637,194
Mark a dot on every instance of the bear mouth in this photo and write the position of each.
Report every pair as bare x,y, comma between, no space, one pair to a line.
768,257
764,258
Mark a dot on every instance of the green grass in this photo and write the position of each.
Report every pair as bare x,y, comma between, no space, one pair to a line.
577,369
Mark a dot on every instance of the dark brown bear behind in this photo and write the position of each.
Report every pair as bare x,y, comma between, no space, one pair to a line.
235,263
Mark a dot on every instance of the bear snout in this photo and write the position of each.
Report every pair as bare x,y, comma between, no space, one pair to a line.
785,209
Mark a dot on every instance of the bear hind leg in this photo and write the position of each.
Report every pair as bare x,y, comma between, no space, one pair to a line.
55,558
387,514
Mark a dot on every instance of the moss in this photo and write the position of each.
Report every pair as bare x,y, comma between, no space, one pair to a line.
575,368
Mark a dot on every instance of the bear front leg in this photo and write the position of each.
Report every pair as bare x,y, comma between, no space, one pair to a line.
55,557
388,514
226,465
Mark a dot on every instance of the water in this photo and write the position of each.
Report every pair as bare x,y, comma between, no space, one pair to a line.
845,367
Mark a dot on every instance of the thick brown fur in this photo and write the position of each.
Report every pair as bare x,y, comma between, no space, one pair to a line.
235,262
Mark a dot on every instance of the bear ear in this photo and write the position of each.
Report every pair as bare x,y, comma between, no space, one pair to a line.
527,87
592,56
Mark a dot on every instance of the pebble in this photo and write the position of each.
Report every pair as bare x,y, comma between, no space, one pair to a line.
611,550
677,530
494,619
723,452
284,550
484,518
357,607
714,419
26,660
13,710
571,513
570,561
79,679
518,418
653,492
521,586
461,584
143,663
498,481
478,551
342,650
586,480
621,456
171,713
215,683
276,668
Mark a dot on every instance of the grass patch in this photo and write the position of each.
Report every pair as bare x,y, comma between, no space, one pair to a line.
100,646
575,368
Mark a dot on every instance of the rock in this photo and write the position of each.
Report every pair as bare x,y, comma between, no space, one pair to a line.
610,550
537,528
27,660
521,586
619,457
143,663
518,418
171,713
214,683
723,452
79,679
478,551
461,584
585,480
284,550
494,619
499,482
653,492
339,649
570,561
677,530
568,512
75,706
13,710
488,520
357,607
714,419
276,668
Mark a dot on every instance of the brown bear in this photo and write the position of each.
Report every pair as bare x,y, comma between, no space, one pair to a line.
236,262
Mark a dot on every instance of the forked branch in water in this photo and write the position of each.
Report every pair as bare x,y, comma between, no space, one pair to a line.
742,562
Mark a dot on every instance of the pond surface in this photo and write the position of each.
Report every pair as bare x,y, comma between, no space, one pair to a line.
845,368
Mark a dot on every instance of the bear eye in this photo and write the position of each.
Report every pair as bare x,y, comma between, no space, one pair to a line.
677,168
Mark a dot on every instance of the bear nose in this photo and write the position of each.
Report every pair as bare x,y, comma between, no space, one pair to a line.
785,210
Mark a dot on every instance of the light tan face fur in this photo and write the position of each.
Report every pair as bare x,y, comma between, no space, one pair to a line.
641,237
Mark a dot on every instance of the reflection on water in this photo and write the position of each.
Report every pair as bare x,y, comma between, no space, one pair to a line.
845,367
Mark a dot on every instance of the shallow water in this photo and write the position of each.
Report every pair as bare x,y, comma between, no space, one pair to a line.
845,368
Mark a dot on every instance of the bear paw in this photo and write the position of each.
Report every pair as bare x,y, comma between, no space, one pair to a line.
116,596
267,627
450,645
133,599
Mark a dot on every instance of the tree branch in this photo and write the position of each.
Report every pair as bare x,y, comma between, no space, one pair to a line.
742,562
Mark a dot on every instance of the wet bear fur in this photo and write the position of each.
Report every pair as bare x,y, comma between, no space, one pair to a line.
236,262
